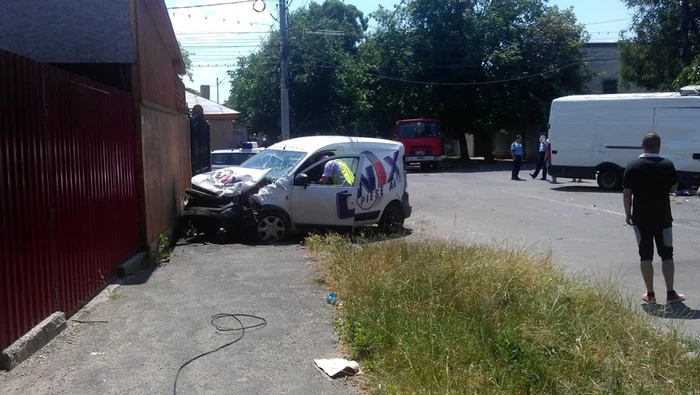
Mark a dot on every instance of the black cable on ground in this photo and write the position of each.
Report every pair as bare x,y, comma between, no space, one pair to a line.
241,327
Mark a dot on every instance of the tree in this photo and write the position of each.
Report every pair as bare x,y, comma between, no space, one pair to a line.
489,64
188,63
653,58
193,91
326,94
479,66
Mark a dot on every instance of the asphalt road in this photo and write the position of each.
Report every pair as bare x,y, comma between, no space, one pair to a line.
135,340
581,226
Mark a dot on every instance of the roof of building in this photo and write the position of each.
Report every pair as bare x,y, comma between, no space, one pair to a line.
601,45
68,32
212,110
73,32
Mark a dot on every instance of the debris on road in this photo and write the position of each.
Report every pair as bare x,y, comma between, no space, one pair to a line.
338,367
331,298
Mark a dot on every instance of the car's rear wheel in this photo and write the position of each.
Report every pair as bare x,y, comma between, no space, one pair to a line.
272,226
392,219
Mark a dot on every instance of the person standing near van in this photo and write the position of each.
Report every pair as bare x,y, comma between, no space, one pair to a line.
541,159
647,182
516,150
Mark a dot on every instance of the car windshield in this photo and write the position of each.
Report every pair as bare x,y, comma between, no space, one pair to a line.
418,129
279,162
230,158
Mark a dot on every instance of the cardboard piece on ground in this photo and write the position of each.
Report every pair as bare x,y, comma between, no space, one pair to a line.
338,367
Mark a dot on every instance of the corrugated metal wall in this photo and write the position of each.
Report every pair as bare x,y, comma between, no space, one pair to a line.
69,199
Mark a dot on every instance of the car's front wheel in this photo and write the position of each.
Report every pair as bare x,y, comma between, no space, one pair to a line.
272,226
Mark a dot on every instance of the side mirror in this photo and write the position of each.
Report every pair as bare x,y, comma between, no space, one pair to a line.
301,180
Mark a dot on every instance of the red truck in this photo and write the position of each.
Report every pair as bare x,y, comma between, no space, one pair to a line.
422,139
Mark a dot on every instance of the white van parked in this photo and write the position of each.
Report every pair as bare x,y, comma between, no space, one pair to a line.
596,136
277,191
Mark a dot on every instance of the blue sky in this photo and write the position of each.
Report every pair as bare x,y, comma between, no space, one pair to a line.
219,36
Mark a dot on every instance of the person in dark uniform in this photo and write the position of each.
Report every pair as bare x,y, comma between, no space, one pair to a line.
516,150
647,182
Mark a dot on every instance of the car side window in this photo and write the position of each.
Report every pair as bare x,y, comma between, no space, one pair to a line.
315,173
303,168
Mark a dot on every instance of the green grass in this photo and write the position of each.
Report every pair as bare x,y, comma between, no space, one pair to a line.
441,318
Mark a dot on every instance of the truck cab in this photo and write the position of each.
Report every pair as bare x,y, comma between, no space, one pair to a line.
422,139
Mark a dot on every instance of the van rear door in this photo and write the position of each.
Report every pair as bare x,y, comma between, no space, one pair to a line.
679,129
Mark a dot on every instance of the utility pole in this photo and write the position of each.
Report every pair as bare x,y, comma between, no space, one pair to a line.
284,65
217,90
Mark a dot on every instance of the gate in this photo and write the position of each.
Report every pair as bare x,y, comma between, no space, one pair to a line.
69,202
200,144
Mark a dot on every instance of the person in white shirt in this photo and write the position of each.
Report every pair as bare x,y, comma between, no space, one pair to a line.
541,159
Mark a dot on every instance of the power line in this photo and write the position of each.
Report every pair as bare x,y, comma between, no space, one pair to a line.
436,83
202,47
215,5
215,33
206,17
604,22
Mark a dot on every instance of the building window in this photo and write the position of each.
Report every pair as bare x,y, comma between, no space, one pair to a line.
609,86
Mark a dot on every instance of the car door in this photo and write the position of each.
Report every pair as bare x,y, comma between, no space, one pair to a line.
325,205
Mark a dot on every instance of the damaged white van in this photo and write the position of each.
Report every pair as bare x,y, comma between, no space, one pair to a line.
278,191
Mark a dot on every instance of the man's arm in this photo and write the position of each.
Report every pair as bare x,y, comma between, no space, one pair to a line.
627,201
327,173
673,178
627,183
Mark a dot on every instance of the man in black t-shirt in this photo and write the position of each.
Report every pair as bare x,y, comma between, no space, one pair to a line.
649,180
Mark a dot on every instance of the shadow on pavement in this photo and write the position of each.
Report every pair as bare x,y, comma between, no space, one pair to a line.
679,311
367,233
590,188
139,278
476,166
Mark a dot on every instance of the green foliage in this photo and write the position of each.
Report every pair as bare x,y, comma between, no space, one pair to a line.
440,317
689,75
193,91
163,250
652,58
186,60
518,54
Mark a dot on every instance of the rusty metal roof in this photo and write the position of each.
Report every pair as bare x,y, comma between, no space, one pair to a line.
212,110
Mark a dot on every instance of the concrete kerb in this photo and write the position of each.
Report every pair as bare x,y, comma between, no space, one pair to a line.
46,330
133,265
33,341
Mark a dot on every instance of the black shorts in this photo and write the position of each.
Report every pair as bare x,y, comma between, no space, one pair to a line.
645,241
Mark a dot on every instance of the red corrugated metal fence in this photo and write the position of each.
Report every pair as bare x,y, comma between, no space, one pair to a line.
68,196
